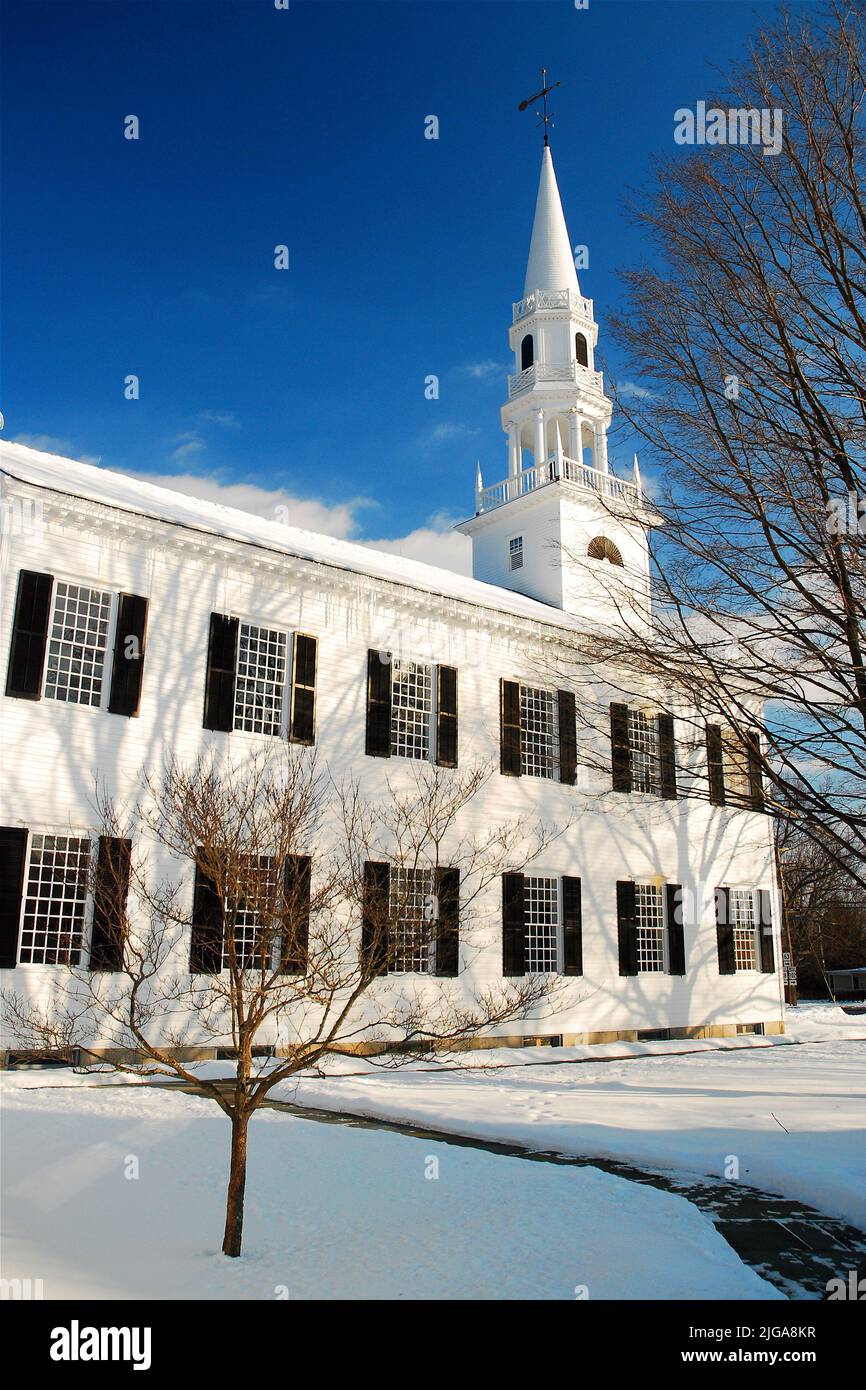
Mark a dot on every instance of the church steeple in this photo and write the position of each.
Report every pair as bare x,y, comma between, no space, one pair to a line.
559,493
551,263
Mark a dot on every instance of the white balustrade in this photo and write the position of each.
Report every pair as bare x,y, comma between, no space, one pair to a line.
539,475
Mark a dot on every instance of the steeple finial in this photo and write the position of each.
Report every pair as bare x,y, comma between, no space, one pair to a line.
545,117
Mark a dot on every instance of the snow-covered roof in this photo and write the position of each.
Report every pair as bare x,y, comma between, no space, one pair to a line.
118,490
551,263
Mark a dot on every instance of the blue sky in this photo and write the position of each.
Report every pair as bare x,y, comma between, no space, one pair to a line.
305,127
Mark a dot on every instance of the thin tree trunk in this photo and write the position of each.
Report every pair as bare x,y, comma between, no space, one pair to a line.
237,1183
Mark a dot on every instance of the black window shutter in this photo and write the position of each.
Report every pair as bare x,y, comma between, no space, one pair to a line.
619,751
219,692
567,737
626,919
756,780
110,889
768,953
127,667
446,717
208,921
667,756
29,635
572,928
378,743
513,926
375,943
13,856
715,765
295,946
448,929
676,935
302,720
510,761
725,933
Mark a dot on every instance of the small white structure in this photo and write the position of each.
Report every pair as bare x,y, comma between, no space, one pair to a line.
248,630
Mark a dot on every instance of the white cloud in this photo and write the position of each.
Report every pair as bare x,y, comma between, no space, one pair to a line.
444,432
225,418
448,550
187,446
436,543
339,520
50,444
632,391
487,368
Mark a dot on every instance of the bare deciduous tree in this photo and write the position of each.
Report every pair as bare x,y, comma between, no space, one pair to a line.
749,343
307,894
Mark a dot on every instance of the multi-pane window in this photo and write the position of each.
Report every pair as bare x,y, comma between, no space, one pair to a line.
252,916
643,744
741,906
55,900
77,642
541,924
261,680
650,912
515,553
411,708
411,910
539,732
736,765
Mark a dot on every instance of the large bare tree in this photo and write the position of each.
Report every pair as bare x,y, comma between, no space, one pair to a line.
747,335
307,894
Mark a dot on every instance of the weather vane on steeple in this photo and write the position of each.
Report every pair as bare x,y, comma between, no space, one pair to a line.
546,118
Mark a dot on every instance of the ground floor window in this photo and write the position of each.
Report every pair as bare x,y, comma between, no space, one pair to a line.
52,930
252,912
742,911
650,911
412,914
541,921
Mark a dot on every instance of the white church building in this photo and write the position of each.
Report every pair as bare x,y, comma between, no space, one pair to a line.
249,630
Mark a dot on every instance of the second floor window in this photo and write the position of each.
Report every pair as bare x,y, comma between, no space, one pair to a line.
411,709
515,553
261,680
643,752
537,732
77,644
734,768
61,644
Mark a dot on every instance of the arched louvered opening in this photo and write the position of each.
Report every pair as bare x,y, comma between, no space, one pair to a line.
527,352
581,351
601,548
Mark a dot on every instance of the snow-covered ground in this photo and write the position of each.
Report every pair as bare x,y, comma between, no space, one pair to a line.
793,1115
332,1212
337,1212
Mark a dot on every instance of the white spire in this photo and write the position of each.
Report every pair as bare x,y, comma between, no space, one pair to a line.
551,263
635,473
